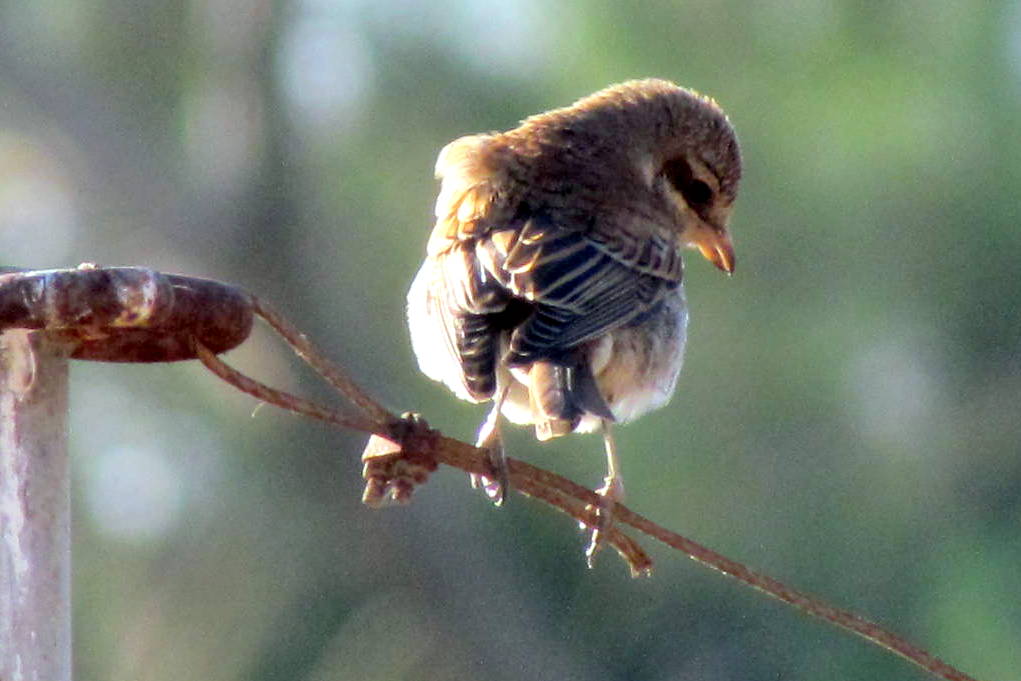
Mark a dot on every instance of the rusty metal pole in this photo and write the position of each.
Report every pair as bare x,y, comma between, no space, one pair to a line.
117,314
35,495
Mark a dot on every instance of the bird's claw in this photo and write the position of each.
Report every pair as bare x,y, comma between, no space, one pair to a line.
496,484
494,489
609,494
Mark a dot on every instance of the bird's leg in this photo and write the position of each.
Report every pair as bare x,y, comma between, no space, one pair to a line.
491,440
610,493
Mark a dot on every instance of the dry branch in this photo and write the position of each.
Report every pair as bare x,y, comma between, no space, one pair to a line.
403,451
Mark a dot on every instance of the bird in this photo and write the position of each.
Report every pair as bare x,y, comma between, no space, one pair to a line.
553,283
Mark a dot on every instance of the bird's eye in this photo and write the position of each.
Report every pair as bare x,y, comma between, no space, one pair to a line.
696,192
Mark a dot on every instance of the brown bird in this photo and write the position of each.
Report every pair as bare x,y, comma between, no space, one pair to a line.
552,283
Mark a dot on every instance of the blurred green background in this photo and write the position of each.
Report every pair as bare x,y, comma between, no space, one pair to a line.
848,418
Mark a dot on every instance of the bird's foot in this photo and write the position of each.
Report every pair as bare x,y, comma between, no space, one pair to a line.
496,484
611,493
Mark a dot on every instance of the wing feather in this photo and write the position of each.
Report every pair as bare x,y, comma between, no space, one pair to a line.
580,291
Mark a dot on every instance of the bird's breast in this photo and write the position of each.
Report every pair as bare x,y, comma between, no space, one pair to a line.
636,366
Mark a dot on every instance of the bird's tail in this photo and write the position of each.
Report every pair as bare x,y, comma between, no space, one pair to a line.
561,394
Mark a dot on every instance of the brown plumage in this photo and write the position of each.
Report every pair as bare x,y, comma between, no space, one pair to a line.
553,276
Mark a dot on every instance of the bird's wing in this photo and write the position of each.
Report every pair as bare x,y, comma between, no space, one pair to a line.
579,289
465,310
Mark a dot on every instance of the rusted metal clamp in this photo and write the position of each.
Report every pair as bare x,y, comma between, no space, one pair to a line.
126,314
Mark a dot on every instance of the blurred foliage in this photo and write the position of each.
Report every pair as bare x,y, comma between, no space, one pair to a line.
848,418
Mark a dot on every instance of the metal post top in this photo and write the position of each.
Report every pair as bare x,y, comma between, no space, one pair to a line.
126,314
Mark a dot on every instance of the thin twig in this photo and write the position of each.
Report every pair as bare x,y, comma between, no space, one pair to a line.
333,374
284,400
811,605
560,493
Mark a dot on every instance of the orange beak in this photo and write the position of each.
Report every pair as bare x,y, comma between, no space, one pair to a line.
714,244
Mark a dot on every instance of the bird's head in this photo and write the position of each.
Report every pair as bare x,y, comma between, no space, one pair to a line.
664,155
692,165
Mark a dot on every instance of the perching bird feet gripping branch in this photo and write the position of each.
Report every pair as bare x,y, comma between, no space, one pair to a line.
139,315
